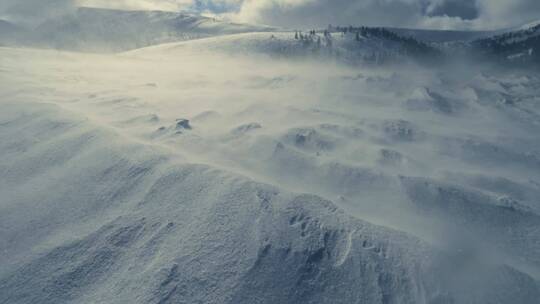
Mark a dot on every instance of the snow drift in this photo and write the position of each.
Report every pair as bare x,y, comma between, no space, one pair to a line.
182,174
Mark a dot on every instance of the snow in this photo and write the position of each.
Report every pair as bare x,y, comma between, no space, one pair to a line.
442,36
104,30
530,25
519,35
339,47
208,171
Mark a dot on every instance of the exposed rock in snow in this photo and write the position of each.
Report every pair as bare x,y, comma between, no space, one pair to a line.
183,124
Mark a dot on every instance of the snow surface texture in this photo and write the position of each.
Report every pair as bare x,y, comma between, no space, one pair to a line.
179,174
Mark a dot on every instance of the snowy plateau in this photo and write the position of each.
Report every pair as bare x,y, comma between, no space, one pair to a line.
151,157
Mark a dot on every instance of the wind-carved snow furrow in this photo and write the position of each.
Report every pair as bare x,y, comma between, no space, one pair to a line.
152,193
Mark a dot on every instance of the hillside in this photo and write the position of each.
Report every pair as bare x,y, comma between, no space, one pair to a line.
183,175
442,36
519,46
373,46
104,30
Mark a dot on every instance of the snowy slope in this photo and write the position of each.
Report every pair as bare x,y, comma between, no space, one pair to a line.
177,221
517,46
104,30
179,173
530,25
127,224
442,36
344,48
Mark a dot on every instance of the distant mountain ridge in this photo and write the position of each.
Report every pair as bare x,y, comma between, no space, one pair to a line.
520,46
353,46
106,30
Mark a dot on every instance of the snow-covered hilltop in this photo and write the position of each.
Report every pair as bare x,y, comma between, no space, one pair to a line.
519,46
374,46
104,30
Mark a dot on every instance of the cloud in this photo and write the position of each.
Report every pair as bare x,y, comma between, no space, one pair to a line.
465,10
30,11
446,14
215,6
298,13
165,5
500,13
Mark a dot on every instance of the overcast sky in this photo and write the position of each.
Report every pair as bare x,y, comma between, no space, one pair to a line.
441,14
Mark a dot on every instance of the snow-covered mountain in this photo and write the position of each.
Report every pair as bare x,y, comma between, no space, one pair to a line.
518,46
513,47
104,30
362,46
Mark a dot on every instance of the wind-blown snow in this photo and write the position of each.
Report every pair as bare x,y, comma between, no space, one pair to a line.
183,174
104,30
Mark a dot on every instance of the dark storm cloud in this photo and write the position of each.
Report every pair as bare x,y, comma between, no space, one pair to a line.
466,10
408,13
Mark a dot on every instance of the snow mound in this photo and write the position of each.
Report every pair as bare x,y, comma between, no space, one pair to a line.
143,228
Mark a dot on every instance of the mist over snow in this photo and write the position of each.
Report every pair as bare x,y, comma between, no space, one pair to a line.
285,151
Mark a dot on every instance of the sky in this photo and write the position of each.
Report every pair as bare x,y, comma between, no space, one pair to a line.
437,14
